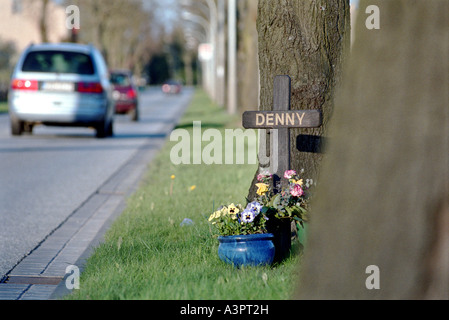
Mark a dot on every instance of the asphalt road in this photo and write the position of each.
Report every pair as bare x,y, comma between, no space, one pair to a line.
47,176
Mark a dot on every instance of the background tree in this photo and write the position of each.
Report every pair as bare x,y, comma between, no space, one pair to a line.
42,12
248,66
126,31
43,28
306,40
383,196
7,52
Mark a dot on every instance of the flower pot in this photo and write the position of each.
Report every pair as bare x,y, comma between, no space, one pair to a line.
247,250
282,232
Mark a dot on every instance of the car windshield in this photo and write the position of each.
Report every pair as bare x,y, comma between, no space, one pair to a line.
120,79
58,62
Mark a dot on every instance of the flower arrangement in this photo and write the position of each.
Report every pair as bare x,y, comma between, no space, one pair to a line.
235,220
289,203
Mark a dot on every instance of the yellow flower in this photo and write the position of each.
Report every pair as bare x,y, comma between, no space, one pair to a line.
233,210
173,177
215,215
223,211
300,182
192,188
262,188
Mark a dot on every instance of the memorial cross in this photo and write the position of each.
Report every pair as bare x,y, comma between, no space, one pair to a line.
281,118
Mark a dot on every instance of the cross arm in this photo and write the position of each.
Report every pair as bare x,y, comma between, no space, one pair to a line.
282,119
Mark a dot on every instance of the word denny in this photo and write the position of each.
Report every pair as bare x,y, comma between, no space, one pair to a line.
280,119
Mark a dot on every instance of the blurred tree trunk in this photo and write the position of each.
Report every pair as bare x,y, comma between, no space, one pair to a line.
383,195
248,67
188,70
124,30
306,40
43,21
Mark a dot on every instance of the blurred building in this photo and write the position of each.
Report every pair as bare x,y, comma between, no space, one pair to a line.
19,22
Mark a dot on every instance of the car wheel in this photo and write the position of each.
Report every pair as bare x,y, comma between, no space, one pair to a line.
110,131
28,128
105,129
135,114
17,127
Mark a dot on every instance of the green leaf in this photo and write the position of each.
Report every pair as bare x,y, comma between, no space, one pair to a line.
276,200
290,211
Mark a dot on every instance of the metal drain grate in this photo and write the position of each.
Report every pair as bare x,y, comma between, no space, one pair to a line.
35,280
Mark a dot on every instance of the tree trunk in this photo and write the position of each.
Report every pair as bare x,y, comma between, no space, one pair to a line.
306,40
43,29
383,194
248,68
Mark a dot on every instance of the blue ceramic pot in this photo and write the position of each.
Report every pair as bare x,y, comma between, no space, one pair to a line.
247,250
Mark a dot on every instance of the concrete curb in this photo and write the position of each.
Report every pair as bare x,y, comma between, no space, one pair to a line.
72,242
41,275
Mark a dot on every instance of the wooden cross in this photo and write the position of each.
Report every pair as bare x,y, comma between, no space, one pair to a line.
281,118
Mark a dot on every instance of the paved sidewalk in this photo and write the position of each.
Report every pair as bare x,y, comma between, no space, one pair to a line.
41,274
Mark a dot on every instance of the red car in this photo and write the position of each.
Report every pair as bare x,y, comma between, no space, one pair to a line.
125,93
171,87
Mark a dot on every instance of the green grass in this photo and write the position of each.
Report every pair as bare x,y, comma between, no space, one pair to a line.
3,107
148,255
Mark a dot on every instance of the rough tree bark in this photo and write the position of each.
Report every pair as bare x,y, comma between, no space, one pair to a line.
383,194
306,40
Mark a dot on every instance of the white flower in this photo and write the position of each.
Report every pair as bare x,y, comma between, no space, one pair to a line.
255,207
248,216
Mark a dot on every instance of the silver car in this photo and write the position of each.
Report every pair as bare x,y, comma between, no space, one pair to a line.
61,85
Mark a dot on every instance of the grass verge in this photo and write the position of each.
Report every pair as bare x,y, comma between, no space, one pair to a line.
3,107
147,254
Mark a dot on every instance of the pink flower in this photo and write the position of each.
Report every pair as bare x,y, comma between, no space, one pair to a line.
289,174
296,190
263,176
